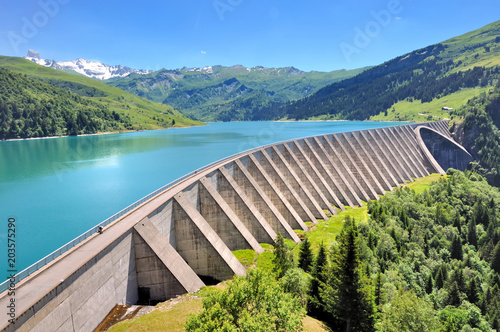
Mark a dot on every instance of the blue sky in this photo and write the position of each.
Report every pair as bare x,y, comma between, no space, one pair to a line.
309,35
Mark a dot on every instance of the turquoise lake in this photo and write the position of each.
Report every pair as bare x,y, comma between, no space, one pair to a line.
58,188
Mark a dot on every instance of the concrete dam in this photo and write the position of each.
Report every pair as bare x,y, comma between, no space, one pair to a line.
182,235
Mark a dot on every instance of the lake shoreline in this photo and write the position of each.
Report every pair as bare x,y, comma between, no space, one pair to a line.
205,124
95,134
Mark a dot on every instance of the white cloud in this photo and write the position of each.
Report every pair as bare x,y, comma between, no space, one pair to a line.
398,18
203,52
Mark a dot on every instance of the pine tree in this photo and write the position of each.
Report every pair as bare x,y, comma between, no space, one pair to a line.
283,257
472,235
347,298
441,276
473,291
491,305
378,290
495,260
456,248
428,286
456,287
305,255
315,304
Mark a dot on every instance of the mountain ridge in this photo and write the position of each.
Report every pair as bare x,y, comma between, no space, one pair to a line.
260,86
91,69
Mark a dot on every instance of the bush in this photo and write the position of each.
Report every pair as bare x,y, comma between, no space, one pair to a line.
252,303
408,312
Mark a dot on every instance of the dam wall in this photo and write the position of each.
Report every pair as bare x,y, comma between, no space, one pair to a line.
182,237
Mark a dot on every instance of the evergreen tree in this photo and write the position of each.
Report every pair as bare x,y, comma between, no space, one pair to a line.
472,234
491,305
473,291
378,289
495,261
428,286
315,304
441,276
346,296
305,255
456,248
283,257
456,287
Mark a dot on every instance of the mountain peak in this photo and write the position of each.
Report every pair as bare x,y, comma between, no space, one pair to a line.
92,69
33,54
208,69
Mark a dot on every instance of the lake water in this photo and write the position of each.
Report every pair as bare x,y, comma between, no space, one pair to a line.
58,188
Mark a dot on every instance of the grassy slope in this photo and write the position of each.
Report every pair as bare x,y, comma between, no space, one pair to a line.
475,48
171,317
420,112
470,48
140,110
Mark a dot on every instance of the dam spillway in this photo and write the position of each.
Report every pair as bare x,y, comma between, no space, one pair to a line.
183,234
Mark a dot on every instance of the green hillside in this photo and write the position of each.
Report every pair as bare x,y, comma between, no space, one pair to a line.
480,47
227,93
65,93
415,110
476,127
467,62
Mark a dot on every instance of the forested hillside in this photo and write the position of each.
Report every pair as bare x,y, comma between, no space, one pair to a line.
476,128
467,61
36,101
443,244
33,108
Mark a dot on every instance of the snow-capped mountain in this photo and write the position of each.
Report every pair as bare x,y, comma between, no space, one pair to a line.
92,69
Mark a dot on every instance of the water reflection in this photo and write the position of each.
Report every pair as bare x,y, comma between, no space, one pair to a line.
42,157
